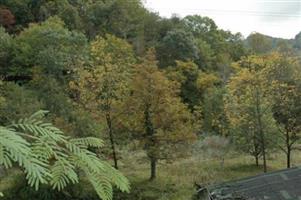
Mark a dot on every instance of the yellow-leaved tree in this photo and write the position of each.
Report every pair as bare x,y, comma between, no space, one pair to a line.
156,113
283,76
248,107
102,86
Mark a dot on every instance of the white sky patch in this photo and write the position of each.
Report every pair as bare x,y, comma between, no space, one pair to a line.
278,18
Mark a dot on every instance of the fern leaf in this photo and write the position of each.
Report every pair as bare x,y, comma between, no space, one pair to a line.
16,149
51,157
62,174
102,186
88,141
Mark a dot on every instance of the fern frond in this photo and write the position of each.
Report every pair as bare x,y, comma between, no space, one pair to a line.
38,128
39,114
102,186
88,142
34,125
62,174
106,175
47,149
13,147
116,178
36,172
88,160
16,149
53,158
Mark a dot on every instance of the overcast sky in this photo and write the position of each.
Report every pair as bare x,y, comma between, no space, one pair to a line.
278,18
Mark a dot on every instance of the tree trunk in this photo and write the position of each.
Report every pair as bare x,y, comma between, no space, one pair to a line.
263,146
288,150
256,160
256,151
261,132
153,165
264,158
150,143
288,157
111,135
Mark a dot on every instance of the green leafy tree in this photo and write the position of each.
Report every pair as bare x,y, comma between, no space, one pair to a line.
297,41
47,156
2,99
59,104
213,44
207,57
259,43
122,18
21,10
125,18
201,27
48,46
285,47
186,74
19,104
6,49
213,112
235,45
62,8
176,45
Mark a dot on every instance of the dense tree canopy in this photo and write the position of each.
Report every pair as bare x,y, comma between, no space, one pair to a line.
49,46
153,89
177,45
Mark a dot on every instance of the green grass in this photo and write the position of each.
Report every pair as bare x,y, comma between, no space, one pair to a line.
176,180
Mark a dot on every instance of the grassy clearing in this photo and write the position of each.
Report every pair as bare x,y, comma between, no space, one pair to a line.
175,181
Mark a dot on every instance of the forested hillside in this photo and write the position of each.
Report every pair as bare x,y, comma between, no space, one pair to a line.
103,99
